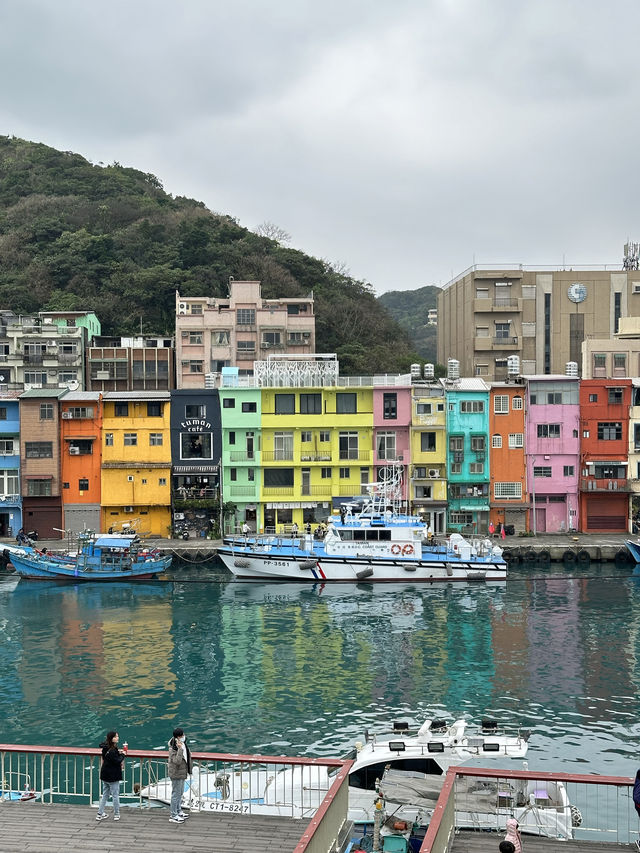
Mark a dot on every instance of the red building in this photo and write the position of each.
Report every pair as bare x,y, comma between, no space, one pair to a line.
604,442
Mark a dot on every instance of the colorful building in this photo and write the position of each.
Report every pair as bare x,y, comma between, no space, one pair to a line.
80,459
467,403
10,496
136,462
40,461
196,452
240,410
392,426
552,448
508,498
604,445
428,471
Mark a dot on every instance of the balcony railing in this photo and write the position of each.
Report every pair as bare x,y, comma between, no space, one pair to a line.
509,341
277,455
355,456
320,491
242,456
242,491
505,302
278,491
315,457
607,484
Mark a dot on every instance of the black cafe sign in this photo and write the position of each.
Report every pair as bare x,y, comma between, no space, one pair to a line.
195,425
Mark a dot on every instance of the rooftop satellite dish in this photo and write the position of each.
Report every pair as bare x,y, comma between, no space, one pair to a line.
1,378
73,386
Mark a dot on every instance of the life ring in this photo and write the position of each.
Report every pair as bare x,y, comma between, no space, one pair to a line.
395,549
408,549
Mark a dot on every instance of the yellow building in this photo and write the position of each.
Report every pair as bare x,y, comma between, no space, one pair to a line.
136,462
428,483
316,448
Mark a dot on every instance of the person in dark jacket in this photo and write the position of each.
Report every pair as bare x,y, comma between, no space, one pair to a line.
111,775
179,769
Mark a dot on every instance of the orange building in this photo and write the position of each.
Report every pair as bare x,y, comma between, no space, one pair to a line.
508,498
80,459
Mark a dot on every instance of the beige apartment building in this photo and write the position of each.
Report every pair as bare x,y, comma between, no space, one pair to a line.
543,316
212,334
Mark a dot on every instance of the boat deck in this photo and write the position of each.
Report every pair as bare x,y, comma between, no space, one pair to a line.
487,842
61,828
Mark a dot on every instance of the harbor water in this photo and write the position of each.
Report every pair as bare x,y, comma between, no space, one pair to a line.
290,669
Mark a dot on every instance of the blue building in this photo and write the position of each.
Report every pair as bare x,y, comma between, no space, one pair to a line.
467,454
10,497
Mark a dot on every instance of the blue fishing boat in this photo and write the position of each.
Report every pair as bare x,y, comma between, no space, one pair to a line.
101,557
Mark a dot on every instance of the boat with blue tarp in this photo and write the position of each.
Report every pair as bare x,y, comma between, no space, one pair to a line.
100,557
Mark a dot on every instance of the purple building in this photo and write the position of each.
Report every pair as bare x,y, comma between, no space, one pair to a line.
552,448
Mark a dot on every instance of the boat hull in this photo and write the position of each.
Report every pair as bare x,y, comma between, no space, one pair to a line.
37,568
252,565
634,549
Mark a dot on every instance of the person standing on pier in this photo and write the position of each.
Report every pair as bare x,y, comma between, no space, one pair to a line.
179,769
111,775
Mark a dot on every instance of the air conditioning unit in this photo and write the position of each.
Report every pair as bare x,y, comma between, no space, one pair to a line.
264,345
127,509
433,472
74,451
306,334
182,308
53,373
66,416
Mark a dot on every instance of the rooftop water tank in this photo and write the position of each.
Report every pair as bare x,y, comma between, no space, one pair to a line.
429,371
571,369
513,365
453,368
415,372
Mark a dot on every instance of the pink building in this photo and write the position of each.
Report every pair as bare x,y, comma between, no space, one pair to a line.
238,330
552,448
392,426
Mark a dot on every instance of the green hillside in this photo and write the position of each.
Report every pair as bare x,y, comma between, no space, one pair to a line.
74,235
409,308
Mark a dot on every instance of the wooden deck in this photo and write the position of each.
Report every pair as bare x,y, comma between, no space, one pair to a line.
38,828
487,842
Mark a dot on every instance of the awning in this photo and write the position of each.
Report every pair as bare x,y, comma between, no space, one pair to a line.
79,437
195,469
474,508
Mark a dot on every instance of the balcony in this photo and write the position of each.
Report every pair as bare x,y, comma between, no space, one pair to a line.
506,343
242,456
355,456
278,492
608,484
482,343
241,491
506,303
319,491
316,457
35,357
277,455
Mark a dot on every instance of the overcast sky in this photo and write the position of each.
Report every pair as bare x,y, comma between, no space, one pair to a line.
406,139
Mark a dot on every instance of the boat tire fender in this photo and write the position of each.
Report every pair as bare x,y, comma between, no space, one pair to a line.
584,556
409,568
530,555
622,556
544,556
364,573
241,564
307,564
569,557
449,569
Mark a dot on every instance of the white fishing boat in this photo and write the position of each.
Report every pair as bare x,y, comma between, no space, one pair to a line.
425,755
373,541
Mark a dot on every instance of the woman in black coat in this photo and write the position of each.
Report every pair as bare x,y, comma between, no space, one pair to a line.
111,775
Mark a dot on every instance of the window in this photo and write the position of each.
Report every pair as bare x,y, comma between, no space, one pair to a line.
246,316
233,474
568,471
516,403
39,488
46,411
121,410
615,395
6,446
348,445
38,450
251,475
80,412
310,404
345,473
503,331
195,338
364,476
461,518
232,436
346,404
516,439
285,404
386,445
249,407
83,484
196,366
482,331
420,473
496,441
3,413
162,481
293,308
305,436
456,443
278,477
548,430
220,338
482,370
228,403
610,431
81,447
482,292
456,468
325,473
196,445
130,439
554,398
542,470
108,439
593,398
194,410
248,347
423,408
283,445
478,443
423,492
389,406
271,338
34,377
154,410
9,482
476,468
325,436
295,338
155,439
469,406
501,404
507,491
427,442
